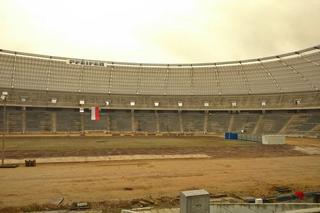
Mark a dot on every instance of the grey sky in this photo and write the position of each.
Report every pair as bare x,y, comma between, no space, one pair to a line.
167,31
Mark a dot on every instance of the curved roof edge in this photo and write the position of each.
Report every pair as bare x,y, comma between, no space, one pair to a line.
235,62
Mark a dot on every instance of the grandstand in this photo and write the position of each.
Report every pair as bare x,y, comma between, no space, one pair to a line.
270,95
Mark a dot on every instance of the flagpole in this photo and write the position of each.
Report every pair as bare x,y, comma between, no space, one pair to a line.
4,98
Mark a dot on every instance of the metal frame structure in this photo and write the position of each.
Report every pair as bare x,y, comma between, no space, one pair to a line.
291,72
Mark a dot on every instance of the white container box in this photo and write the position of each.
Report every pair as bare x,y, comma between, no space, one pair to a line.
273,139
195,201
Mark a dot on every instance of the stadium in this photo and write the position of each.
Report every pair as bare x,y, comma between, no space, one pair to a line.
154,114
271,95
159,106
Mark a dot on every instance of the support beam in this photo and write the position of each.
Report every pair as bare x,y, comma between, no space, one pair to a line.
23,120
231,123
7,120
82,123
180,121
54,122
108,121
205,122
157,120
257,124
285,127
132,121
315,128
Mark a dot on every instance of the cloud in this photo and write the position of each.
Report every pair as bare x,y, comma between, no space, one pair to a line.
168,31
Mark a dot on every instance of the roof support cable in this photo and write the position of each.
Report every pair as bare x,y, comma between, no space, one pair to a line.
166,80
209,74
105,76
110,78
49,73
139,80
218,79
245,77
81,78
295,71
308,60
270,76
13,70
191,81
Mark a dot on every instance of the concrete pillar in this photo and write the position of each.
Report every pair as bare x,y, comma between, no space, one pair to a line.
23,124
108,121
231,123
7,120
285,126
180,121
132,121
157,120
257,124
205,122
54,121
280,100
82,122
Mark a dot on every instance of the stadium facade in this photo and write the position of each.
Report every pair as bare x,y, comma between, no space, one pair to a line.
270,95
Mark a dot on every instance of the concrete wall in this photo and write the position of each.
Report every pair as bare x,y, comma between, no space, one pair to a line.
50,120
39,98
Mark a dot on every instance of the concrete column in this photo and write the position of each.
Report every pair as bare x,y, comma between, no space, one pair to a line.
285,126
280,100
23,124
132,121
108,121
54,121
157,120
205,122
82,122
257,124
7,120
180,121
231,123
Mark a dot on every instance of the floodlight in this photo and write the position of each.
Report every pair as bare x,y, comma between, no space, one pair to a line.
156,104
132,103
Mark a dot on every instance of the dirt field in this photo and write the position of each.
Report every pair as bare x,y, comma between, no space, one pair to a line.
234,167
35,147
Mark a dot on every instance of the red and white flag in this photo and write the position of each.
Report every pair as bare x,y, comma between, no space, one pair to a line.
95,115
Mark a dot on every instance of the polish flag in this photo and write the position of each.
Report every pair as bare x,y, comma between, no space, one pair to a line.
95,115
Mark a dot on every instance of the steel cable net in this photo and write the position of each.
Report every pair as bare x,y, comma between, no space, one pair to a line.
291,72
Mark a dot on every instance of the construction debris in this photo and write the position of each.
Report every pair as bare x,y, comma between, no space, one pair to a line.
80,206
9,165
30,163
282,189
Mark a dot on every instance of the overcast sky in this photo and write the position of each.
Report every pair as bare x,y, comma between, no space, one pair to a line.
162,31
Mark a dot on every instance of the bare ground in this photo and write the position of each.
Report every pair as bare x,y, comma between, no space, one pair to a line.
21,148
100,181
243,170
